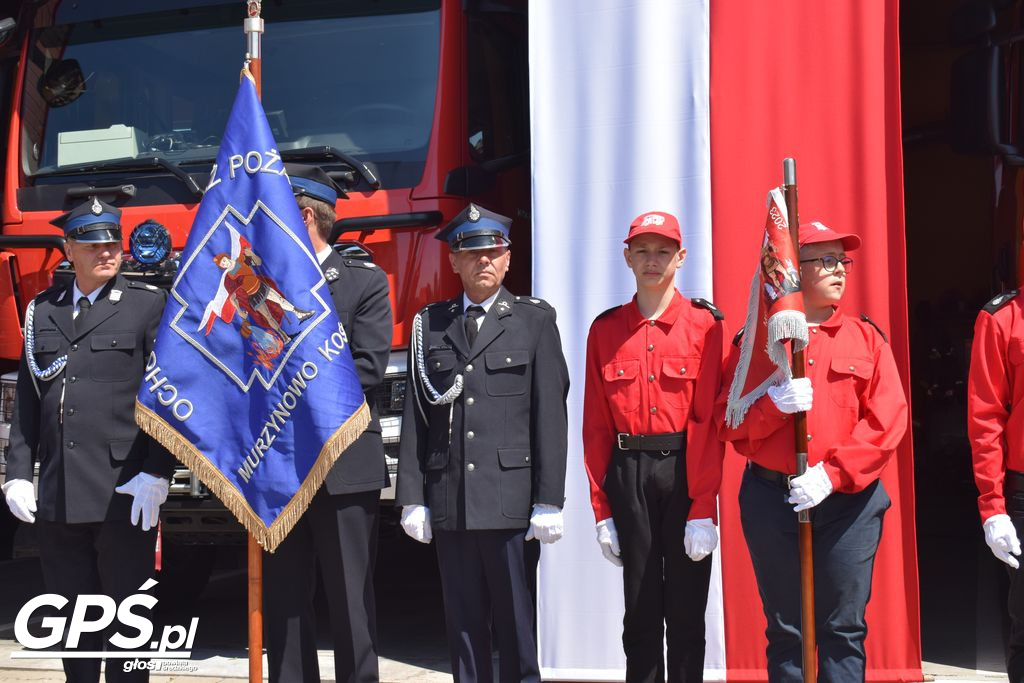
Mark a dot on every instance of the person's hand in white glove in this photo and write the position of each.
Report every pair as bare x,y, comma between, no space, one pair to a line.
416,522
21,499
792,396
1001,536
608,539
701,538
148,494
545,523
810,488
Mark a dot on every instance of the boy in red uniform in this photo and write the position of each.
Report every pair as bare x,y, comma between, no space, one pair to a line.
654,368
858,418
995,424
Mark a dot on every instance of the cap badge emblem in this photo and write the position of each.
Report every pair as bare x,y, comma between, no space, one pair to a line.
474,213
653,219
96,207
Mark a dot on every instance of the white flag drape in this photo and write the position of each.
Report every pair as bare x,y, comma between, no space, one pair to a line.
620,125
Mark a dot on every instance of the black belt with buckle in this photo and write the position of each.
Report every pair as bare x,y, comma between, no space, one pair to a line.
651,442
1013,483
777,478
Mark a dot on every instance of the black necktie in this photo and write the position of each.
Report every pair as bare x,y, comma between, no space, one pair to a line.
83,310
472,327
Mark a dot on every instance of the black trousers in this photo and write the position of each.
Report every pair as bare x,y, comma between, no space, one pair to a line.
110,558
485,578
1015,601
847,529
340,533
666,593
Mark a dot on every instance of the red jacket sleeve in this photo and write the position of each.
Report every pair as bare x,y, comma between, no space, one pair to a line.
988,398
858,460
762,420
598,430
704,451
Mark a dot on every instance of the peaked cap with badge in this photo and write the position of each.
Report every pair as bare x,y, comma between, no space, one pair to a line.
92,221
476,228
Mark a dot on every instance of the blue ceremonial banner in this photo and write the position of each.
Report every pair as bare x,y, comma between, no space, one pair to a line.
251,383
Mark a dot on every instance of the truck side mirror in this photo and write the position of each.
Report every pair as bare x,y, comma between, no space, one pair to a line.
62,83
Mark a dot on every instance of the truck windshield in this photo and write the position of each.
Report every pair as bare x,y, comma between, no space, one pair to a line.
358,75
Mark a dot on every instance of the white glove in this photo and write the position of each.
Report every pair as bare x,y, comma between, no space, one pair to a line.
545,523
701,538
416,522
1001,537
608,539
792,396
810,488
21,499
148,494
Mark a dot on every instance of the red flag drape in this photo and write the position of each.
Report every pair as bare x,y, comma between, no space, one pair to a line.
818,81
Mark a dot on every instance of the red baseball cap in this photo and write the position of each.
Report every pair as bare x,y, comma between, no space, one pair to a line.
816,231
657,222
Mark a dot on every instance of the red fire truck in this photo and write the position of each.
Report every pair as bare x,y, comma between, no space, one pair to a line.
414,106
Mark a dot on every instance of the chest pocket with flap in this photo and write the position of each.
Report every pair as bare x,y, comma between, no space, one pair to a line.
507,372
111,356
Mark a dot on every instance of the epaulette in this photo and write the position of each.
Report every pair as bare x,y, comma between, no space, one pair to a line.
52,289
869,321
738,338
609,311
356,263
704,303
1000,301
144,286
539,303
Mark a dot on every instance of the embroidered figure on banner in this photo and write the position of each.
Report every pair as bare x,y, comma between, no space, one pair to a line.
780,278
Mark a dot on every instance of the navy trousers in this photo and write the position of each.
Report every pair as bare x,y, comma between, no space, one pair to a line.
847,529
485,578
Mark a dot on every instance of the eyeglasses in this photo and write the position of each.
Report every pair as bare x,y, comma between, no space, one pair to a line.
829,263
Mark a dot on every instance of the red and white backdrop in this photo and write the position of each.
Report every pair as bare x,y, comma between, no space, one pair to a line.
689,106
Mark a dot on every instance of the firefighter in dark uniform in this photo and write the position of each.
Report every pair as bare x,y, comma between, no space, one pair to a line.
652,453
482,457
339,529
995,424
101,479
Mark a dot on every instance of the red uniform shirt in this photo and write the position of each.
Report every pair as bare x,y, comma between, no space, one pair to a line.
995,389
859,413
655,377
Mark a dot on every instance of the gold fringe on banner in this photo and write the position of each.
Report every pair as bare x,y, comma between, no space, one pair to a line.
268,537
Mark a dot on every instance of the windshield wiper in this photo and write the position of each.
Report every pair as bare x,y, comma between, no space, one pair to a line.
326,152
129,164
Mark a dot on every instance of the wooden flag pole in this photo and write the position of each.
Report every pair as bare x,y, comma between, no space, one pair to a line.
254,33
807,625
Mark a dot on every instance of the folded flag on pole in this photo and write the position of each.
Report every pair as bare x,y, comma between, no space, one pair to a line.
251,383
775,315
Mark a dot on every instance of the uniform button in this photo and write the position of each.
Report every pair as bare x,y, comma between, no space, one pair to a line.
650,378
810,362
650,347
682,371
73,378
469,368
470,435
527,458
654,409
113,342
507,360
71,444
851,368
814,330
470,467
651,322
74,347
71,411
809,437
437,364
621,373
470,401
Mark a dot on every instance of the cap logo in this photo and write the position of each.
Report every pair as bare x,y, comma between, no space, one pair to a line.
96,207
474,213
653,219
819,226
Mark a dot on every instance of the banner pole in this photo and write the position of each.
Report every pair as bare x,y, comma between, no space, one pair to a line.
253,27
807,625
